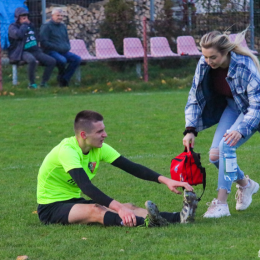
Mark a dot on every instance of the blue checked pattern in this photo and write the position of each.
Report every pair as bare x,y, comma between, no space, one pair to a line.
244,81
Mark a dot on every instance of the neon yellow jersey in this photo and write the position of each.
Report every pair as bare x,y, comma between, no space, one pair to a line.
54,181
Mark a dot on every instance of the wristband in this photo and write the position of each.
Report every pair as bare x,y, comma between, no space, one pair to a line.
187,131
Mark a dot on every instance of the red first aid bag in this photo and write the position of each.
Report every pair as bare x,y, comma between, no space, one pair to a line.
186,167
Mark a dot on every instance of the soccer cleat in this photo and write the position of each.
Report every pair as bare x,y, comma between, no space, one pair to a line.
32,86
216,210
153,218
244,195
190,204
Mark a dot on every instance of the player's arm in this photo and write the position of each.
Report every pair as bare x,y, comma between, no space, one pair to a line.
136,169
145,173
84,183
82,180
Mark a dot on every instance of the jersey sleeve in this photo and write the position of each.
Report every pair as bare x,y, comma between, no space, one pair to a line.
69,158
108,154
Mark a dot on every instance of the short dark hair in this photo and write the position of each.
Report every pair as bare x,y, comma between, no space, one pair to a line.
84,120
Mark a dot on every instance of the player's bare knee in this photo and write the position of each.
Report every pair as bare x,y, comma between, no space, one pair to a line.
97,208
214,154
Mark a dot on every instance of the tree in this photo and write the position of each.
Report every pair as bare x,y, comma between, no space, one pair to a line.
119,22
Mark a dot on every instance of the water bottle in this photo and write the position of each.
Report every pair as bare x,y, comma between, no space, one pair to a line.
230,161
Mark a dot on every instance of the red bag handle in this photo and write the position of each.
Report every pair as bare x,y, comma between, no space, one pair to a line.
196,157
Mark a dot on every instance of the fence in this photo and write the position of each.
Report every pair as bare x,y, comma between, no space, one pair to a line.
90,20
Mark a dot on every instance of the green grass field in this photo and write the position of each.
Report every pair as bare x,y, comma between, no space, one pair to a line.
146,128
98,77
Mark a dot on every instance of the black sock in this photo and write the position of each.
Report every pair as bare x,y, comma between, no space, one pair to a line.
113,219
171,217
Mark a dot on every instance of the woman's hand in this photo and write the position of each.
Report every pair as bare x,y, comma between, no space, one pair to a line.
233,137
189,139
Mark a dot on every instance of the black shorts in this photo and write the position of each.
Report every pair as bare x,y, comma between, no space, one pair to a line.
58,212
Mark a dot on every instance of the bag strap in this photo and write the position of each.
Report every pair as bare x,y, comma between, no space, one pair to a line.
196,157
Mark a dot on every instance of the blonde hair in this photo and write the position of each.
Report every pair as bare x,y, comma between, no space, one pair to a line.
222,44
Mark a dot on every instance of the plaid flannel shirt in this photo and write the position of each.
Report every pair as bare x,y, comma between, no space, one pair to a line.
243,79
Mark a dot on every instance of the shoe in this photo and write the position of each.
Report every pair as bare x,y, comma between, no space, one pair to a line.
190,204
63,83
216,210
32,86
154,219
44,85
244,195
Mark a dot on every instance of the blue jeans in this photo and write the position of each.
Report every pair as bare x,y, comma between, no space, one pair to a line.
230,119
67,63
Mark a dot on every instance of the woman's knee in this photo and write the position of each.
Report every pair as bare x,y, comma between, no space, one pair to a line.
214,155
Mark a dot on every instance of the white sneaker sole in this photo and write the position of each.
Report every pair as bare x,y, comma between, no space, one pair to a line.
213,216
250,201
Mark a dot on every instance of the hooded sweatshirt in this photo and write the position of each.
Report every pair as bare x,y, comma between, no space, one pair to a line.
21,36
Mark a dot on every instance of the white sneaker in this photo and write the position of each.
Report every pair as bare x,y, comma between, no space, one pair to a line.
216,210
244,195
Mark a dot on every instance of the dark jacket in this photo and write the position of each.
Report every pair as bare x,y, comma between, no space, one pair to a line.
54,37
17,35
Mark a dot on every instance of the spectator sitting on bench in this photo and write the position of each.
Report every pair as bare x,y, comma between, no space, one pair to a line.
55,42
24,47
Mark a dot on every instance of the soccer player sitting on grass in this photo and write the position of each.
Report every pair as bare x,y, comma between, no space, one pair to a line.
68,169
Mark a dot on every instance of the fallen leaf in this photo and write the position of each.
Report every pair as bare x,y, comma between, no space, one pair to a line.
35,212
22,257
4,93
84,238
11,94
163,81
121,250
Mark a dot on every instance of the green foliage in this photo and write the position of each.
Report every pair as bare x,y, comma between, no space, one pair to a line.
166,26
119,22
98,77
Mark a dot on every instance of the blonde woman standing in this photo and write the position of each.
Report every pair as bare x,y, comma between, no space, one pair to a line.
225,90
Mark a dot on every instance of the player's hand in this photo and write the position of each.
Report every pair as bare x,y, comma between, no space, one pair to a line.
127,215
233,137
173,185
188,139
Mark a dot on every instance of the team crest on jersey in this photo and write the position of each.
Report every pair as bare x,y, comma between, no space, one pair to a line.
91,166
176,168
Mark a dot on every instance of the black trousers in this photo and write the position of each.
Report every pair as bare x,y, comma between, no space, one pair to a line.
32,57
